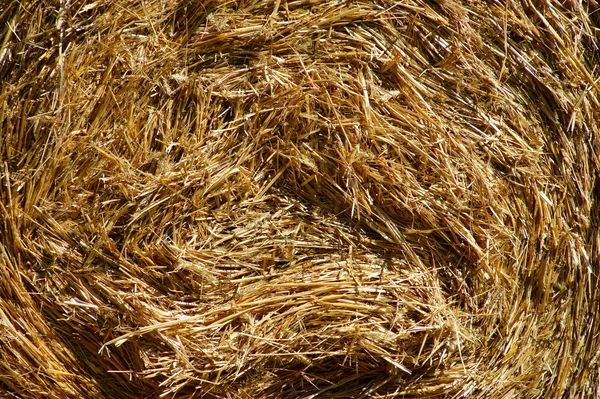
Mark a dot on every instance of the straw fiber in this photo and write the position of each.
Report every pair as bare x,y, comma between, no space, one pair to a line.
299,199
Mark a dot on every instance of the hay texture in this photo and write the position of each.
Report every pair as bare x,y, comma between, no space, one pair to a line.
299,199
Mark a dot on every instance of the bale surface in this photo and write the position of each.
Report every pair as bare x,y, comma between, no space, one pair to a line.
299,199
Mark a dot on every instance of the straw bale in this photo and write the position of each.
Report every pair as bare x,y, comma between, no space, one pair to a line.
299,199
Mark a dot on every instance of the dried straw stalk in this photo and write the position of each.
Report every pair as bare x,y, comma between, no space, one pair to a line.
299,199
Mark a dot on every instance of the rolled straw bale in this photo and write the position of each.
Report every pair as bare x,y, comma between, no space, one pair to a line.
299,199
